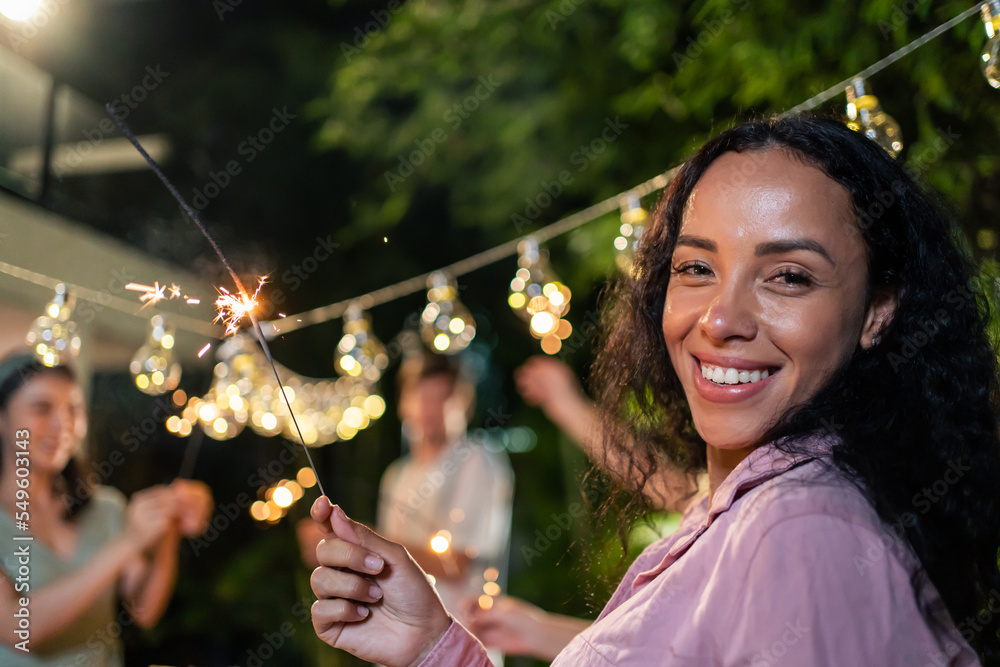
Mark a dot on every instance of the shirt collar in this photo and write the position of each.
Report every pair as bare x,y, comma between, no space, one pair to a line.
762,464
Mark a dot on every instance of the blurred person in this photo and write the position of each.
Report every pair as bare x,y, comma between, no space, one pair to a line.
447,486
89,548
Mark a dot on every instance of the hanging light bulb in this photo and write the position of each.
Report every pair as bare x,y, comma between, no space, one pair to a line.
153,367
360,354
990,12
538,297
865,115
633,217
225,410
446,325
53,335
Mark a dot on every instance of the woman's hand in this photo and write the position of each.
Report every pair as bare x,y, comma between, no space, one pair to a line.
148,516
192,506
510,625
374,600
520,628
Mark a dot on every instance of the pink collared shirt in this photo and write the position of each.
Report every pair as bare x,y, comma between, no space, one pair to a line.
790,565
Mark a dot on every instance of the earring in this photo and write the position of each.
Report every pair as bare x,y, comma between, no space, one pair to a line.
875,339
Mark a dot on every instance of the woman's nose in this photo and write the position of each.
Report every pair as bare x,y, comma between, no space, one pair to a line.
730,314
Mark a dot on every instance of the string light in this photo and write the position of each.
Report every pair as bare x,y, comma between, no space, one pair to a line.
244,393
359,353
633,218
990,12
277,500
865,115
539,298
153,367
53,336
446,325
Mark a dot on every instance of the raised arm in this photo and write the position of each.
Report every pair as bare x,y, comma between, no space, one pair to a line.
553,386
148,581
64,601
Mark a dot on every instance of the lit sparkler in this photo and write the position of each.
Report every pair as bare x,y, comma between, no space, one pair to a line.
248,312
153,294
232,308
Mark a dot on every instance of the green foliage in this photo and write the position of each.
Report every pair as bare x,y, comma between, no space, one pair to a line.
673,74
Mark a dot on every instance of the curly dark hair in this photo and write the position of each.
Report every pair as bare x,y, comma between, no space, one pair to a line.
923,399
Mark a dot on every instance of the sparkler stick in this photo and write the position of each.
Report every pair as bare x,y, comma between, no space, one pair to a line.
225,262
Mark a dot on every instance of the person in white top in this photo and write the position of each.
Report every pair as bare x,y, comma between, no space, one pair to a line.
449,499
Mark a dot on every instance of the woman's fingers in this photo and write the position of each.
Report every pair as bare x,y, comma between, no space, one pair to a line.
334,552
328,613
330,583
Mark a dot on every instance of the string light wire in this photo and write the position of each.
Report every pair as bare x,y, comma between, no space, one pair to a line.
409,286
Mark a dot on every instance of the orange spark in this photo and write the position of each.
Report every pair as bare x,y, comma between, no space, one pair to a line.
156,292
232,308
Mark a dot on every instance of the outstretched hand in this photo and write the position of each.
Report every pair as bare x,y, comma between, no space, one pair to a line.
374,601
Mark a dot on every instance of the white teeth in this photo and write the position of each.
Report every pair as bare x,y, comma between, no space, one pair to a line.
720,375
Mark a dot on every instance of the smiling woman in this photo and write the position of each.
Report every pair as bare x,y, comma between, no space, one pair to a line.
757,339
68,552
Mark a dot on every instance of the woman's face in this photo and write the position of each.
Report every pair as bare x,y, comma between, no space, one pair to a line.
766,296
50,407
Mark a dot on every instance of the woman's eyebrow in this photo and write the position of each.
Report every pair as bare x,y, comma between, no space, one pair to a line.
697,242
790,245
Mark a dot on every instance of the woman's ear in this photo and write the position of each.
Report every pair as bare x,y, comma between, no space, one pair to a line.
878,316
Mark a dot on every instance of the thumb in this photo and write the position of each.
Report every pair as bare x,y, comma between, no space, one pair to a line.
353,532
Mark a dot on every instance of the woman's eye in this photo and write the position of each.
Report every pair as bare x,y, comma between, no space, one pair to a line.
793,278
691,269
